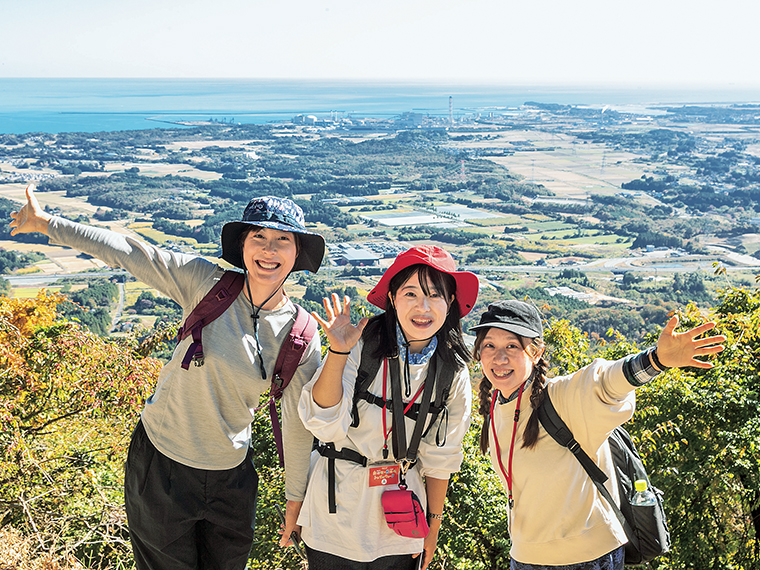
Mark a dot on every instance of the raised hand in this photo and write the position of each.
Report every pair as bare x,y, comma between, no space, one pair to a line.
31,217
677,350
340,332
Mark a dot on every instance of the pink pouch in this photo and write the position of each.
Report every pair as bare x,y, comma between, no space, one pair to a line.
404,513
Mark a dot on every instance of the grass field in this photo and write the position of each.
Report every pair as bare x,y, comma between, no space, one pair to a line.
566,166
133,289
500,221
160,238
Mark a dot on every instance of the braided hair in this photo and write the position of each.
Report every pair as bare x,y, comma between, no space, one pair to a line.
532,346
484,409
537,395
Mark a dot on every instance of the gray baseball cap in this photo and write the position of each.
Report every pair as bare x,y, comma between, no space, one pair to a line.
514,316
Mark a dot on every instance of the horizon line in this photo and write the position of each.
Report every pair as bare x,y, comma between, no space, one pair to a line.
524,83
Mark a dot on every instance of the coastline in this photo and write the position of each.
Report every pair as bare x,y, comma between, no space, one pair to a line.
92,105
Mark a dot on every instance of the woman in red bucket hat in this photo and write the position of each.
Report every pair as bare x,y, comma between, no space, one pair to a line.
389,406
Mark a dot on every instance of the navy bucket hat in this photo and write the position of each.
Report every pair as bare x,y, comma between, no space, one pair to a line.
277,214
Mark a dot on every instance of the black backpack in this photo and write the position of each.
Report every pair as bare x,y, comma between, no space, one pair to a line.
439,379
645,527
368,368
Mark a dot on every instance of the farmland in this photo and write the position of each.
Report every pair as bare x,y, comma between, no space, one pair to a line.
519,199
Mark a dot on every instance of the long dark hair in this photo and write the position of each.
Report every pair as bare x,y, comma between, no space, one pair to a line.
451,346
537,391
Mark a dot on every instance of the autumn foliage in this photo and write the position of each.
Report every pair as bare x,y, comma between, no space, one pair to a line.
68,402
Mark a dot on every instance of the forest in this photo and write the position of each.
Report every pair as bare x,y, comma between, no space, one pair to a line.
338,182
70,398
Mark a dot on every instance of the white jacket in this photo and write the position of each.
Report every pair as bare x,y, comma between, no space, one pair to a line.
358,531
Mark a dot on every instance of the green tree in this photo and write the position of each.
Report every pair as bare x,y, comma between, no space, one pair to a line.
700,432
68,402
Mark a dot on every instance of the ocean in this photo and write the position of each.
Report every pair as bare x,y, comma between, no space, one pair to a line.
93,105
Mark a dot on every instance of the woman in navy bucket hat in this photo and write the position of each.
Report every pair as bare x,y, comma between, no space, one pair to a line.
277,214
190,485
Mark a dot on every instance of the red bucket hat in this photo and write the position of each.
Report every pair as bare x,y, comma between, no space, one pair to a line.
437,258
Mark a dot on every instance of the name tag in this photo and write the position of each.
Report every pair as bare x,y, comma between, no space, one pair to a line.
383,475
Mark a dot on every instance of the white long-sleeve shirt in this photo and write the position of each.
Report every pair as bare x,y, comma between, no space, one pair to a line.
201,417
358,531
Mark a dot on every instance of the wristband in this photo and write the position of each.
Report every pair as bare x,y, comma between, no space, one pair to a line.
329,349
656,360
434,516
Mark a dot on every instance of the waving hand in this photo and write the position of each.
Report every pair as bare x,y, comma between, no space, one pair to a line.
31,217
340,332
681,349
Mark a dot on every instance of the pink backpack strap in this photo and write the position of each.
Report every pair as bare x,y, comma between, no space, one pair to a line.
212,306
290,356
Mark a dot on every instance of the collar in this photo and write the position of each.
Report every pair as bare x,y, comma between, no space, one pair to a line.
415,357
513,395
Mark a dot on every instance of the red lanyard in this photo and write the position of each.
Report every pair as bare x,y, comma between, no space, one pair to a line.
385,406
507,475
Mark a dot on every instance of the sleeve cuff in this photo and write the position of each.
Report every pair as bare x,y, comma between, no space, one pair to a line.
638,368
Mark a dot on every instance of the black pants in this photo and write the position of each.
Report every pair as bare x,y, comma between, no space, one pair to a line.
182,518
323,561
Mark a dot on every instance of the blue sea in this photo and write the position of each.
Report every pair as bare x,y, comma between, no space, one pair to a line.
92,105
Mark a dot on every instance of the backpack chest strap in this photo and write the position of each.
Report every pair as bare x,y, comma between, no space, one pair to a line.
412,413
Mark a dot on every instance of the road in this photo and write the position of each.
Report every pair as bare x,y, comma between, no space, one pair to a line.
39,279
119,307
667,261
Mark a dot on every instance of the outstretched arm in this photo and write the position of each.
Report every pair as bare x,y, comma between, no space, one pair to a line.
31,217
677,350
328,389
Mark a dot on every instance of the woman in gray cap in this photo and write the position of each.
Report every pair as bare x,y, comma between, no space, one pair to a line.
190,485
556,516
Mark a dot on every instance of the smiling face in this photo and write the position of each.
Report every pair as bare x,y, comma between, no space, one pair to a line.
269,256
505,362
420,314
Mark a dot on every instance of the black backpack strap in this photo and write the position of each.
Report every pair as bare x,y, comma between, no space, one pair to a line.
557,428
328,450
397,410
419,425
412,413
368,367
402,450
367,371
443,382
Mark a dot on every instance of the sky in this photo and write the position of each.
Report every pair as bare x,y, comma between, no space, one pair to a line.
646,42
